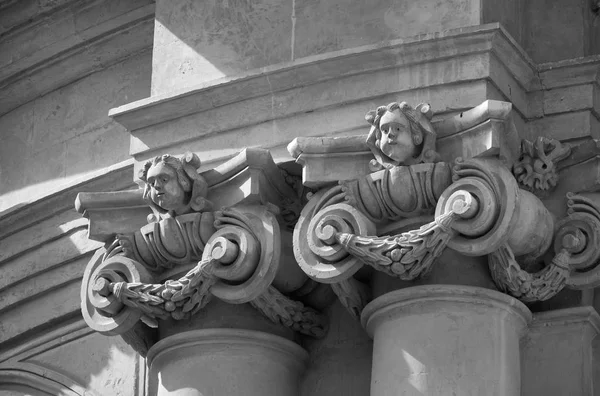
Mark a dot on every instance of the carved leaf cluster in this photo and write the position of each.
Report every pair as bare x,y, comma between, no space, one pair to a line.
406,256
293,314
528,287
175,298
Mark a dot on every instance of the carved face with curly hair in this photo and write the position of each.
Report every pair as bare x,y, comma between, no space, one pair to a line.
401,135
396,139
169,186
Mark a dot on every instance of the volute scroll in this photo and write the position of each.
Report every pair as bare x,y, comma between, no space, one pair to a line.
187,254
482,190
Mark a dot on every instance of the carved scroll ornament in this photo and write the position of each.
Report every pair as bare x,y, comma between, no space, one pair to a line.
237,250
481,210
238,265
579,232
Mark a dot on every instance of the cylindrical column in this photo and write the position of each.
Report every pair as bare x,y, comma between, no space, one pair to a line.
445,340
232,362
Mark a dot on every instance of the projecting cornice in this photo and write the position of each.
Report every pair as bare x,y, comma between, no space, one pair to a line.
454,70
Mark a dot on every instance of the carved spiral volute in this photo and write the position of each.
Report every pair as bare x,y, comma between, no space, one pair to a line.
239,263
579,233
505,213
317,252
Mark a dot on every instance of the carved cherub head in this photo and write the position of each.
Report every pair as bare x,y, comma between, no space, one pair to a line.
173,185
401,135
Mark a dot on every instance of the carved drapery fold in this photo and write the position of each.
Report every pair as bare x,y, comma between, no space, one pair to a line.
168,242
398,192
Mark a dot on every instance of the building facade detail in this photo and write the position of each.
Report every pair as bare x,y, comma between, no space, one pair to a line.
210,236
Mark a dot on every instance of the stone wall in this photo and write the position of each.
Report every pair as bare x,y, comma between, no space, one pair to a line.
63,65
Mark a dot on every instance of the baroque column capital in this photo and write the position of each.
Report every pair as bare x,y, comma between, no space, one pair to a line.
189,252
477,192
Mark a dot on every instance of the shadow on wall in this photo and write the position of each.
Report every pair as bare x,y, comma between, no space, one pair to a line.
202,41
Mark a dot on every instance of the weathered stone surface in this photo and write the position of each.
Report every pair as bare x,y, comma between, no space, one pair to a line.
257,363
559,344
49,51
66,134
449,341
291,69
340,362
52,363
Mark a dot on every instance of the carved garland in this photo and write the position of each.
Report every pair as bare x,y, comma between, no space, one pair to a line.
238,265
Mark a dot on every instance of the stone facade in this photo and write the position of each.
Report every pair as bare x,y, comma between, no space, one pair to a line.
299,198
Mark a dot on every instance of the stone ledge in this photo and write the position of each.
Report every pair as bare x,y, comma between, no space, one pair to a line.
27,214
485,62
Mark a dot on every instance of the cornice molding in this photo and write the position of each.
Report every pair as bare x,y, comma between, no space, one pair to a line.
484,55
27,214
312,70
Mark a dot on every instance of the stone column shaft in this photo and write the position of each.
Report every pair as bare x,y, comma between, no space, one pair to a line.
232,362
445,340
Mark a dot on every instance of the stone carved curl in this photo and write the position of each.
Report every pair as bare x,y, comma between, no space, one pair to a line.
237,266
536,170
579,232
528,287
